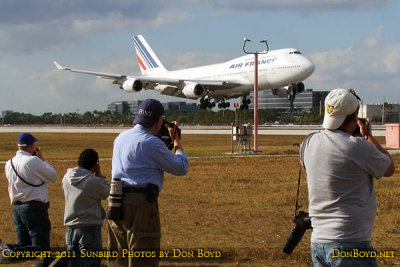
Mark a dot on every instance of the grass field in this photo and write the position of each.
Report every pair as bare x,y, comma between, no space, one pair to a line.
241,206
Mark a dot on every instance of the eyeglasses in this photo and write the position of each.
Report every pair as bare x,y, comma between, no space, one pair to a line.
354,93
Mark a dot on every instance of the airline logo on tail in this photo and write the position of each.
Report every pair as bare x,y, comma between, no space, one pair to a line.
148,61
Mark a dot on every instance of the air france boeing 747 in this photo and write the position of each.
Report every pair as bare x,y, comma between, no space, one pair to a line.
281,71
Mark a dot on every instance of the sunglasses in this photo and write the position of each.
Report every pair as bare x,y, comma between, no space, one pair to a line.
354,93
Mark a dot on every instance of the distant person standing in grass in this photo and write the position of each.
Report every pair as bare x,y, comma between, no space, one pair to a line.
341,166
84,187
27,174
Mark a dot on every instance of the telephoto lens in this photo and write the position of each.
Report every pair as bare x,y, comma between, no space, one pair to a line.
114,211
302,223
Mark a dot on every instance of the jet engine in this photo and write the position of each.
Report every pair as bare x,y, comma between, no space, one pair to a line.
281,92
290,91
193,90
300,87
132,85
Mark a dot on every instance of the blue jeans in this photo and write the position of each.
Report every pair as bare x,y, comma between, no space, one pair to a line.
32,224
88,238
343,254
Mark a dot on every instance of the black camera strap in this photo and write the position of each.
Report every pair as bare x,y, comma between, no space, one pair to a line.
22,179
301,163
298,192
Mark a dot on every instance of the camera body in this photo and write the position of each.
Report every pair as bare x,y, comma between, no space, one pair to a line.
357,131
163,134
114,211
302,222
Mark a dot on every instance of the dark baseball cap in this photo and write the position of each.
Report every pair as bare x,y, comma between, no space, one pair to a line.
26,139
149,111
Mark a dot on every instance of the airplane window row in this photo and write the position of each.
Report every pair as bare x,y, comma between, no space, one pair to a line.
289,67
295,52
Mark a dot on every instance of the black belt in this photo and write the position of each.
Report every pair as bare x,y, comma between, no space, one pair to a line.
33,202
131,189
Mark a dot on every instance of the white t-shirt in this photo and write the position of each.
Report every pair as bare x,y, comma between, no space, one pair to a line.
340,170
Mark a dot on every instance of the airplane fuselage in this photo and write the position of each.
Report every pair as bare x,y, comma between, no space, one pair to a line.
281,70
277,68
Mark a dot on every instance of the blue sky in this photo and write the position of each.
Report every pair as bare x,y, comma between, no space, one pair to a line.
354,44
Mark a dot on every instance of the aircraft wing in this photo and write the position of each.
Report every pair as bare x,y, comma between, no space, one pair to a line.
103,75
217,84
212,84
120,78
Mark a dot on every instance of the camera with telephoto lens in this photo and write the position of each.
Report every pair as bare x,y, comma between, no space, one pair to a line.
302,223
357,131
163,134
114,211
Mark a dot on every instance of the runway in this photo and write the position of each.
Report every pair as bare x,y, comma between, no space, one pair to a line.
198,129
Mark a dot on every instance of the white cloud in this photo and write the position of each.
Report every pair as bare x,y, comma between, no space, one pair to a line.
370,68
299,5
374,38
27,26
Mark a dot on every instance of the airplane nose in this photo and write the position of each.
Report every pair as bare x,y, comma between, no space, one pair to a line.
309,66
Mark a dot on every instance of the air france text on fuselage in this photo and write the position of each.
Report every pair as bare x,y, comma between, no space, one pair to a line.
251,63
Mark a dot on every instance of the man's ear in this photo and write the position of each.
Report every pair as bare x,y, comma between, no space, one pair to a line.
160,120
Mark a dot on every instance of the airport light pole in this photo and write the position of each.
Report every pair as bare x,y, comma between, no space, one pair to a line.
255,146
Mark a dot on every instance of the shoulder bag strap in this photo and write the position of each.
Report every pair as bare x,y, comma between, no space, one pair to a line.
22,179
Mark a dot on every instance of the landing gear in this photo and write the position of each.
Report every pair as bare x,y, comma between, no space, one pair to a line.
224,104
205,102
245,103
291,95
293,89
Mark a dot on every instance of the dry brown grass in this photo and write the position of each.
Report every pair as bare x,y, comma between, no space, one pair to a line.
239,205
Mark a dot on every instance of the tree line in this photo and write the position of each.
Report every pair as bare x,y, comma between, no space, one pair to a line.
107,118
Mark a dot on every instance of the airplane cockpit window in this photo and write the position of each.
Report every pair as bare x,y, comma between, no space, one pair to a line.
295,52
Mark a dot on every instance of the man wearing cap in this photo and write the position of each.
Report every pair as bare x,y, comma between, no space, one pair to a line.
140,160
27,174
340,175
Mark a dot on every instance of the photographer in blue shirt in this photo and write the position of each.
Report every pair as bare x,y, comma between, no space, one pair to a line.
140,160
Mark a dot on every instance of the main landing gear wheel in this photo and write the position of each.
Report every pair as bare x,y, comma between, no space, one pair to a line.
245,103
224,104
205,103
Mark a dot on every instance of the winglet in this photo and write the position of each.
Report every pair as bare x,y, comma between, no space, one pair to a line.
59,67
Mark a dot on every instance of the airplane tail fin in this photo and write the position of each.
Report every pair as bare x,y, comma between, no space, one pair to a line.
148,61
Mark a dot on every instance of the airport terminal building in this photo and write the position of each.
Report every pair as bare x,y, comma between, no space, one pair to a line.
303,102
130,107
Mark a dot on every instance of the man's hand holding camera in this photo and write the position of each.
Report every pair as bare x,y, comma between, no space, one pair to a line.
38,153
173,132
365,127
97,171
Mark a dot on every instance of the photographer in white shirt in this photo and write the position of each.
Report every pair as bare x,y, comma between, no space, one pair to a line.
27,174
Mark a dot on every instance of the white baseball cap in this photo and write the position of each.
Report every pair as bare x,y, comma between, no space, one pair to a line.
339,103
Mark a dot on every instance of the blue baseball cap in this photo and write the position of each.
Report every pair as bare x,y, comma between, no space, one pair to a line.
149,111
26,139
